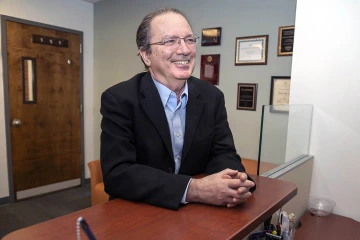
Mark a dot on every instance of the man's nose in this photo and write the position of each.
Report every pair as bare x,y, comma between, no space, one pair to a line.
183,48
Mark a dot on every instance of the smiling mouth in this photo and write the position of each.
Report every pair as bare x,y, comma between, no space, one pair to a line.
182,62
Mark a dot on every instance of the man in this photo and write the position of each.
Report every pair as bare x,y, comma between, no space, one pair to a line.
164,126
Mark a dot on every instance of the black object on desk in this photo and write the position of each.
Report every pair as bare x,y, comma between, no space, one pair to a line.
83,224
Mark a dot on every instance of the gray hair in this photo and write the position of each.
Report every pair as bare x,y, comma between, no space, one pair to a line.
143,31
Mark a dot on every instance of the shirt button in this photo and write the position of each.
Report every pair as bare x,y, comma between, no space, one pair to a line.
177,135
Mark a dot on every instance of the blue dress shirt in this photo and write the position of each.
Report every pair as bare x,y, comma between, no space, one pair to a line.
175,115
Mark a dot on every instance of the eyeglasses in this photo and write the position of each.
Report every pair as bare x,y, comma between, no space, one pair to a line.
174,42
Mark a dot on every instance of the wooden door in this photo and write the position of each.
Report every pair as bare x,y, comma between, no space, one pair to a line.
44,101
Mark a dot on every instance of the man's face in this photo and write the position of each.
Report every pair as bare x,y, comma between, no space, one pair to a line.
168,64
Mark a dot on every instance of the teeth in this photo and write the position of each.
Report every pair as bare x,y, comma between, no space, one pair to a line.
181,62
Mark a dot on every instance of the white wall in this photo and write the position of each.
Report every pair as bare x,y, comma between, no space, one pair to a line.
73,14
115,52
325,73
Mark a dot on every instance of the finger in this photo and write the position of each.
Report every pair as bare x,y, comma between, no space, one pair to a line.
235,176
229,172
240,175
243,176
242,190
226,176
230,205
241,194
234,183
247,183
244,196
232,193
235,203
238,201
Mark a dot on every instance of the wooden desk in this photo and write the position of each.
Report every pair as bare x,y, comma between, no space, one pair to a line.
332,227
120,219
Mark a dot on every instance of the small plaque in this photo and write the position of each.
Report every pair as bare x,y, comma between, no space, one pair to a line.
247,96
286,41
280,94
211,36
209,70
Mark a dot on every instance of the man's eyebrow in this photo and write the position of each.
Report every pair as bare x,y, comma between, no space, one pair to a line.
170,36
175,36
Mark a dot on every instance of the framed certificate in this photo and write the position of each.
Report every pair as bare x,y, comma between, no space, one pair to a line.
209,69
279,95
286,41
211,36
251,50
246,96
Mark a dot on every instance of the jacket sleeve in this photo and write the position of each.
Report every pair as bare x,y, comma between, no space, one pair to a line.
123,176
223,153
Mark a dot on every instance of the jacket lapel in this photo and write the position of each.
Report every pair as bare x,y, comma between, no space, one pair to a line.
194,108
153,107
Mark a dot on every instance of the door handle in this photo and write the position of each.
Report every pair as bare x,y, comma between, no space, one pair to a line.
16,122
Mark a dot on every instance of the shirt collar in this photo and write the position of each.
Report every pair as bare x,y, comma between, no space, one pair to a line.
165,93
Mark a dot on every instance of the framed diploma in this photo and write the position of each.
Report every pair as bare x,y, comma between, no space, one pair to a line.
279,95
251,50
246,96
286,40
209,69
211,36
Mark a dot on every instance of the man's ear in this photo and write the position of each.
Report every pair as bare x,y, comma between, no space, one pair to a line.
145,57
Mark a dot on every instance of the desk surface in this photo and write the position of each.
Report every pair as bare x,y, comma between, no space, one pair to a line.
132,220
331,227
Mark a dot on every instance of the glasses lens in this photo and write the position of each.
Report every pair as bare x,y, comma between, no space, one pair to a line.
191,39
171,41
176,41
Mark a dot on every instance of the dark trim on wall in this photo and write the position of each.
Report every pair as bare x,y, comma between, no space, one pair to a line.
3,19
4,200
82,108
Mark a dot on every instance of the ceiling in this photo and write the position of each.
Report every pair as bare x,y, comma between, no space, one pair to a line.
92,1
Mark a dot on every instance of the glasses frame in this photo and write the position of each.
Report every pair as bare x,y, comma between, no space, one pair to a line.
179,41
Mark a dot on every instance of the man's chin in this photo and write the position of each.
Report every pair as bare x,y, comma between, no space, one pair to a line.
183,75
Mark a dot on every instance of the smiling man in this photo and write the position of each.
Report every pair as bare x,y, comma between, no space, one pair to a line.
164,126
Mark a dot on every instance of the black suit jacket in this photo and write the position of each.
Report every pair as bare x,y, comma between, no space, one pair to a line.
136,154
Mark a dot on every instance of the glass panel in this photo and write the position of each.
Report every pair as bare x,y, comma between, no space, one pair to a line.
29,79
284,136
